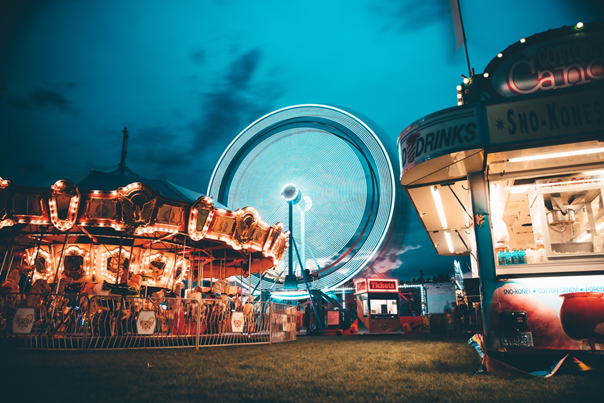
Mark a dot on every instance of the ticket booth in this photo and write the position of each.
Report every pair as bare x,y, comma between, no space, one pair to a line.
377,304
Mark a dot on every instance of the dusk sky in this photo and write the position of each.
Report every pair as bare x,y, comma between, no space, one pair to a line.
187,76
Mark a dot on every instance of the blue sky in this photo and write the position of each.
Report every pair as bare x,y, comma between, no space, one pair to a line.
187,76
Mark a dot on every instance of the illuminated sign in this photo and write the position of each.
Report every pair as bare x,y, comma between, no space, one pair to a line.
375,285
383,285
333,318
544,118
438,134
360,286
548,61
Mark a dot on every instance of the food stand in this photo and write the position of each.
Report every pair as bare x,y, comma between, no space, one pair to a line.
377,304
514,178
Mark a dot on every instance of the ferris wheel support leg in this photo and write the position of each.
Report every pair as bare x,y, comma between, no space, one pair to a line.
312,300
256,287
290,279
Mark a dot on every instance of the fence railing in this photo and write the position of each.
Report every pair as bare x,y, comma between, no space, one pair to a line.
64,321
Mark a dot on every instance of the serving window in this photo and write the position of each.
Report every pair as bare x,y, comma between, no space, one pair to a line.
548,223
384,306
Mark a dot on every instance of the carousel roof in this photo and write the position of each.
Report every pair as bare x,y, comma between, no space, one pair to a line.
98,180
143,215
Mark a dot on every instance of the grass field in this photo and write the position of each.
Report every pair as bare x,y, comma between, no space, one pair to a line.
317,369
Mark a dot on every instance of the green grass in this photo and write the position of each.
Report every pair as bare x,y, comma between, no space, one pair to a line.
368,368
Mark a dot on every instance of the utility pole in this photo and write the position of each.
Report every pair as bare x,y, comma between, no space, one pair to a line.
124,152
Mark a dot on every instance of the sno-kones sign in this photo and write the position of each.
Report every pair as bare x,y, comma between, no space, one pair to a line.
561,58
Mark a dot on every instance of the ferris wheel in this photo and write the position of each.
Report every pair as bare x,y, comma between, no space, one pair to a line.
337,173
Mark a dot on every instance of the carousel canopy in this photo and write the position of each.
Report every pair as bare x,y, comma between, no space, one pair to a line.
98,180
107,229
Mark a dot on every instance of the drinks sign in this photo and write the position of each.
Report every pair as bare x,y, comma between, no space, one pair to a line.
453,129
548,61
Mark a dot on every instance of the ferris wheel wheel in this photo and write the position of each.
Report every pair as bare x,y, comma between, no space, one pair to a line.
345,183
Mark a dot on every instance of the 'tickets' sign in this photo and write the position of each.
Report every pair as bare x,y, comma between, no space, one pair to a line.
383,285
558,59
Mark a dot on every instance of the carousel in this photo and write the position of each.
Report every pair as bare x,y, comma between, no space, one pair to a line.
128,241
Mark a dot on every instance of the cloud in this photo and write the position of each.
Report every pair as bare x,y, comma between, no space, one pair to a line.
390,261
242,70
239,98
42,98
198,57
412,16
160,150
187,155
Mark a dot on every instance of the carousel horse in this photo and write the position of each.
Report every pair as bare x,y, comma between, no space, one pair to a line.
40,286
218,287
92,289
214,317
238,305
11,283
176,303
65,281
156,301
134,284
160,295
34,298
125,290
219,317
248,315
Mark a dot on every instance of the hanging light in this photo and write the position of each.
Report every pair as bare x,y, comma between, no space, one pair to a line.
449,242
439,206
558,155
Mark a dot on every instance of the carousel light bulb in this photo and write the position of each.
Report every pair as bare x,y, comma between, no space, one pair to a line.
459,88
485,75
522,40
579,25
466,80
499,55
